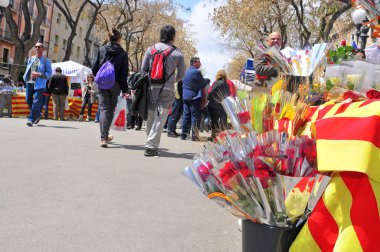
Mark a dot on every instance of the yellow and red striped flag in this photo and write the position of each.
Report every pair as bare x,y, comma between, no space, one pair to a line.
347,216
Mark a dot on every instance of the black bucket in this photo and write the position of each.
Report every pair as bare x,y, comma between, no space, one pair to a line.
261,237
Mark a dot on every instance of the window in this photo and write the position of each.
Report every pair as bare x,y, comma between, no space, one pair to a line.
59,18
5,57
78,51
64,44
56,40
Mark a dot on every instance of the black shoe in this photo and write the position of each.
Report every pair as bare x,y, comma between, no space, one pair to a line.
29,123
149,152
37,120
175,133
130,127
183,137
138,128
172,134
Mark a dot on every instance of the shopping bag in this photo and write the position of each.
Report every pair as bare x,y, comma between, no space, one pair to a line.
119,118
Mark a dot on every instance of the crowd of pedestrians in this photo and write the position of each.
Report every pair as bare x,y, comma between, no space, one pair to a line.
180,93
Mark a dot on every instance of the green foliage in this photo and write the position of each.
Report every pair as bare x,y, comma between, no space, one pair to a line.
341,53
329,85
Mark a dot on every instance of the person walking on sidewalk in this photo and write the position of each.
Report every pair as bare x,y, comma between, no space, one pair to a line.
177,110
116,55
38,71
161,96
59,89
194,99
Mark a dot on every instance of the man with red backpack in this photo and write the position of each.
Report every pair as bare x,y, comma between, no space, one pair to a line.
165,66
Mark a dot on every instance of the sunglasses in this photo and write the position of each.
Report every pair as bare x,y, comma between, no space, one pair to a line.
38,47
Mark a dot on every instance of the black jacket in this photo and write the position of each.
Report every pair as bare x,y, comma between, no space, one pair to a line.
58,84
219,91
139,82
119,58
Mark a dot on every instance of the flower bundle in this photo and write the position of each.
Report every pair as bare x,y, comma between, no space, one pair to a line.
292,61
270,178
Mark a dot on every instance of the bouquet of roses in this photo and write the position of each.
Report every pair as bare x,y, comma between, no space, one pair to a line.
269,178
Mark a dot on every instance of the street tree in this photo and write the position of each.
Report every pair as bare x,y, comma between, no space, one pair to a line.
24,42
92,14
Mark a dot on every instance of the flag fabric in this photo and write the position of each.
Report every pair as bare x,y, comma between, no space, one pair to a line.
346,218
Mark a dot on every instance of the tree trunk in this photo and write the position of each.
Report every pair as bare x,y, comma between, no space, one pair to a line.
87,41
27,41
69,45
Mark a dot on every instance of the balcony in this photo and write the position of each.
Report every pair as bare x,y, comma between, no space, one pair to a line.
5,36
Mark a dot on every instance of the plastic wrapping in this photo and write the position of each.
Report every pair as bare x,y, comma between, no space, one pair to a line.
119,118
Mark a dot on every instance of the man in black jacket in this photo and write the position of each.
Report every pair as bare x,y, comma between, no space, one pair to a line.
59,89
266,69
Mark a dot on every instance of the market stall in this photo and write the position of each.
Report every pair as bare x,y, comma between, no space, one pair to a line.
75,72
301,168
20,107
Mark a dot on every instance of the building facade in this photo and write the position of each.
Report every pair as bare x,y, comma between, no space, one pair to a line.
60,32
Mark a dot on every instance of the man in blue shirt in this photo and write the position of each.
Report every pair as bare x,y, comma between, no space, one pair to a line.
38,70
194,99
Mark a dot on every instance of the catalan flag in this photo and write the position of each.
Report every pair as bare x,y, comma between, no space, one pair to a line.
21,109
348,144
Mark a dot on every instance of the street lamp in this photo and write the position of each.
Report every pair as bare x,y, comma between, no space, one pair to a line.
364,34
358,16
4,3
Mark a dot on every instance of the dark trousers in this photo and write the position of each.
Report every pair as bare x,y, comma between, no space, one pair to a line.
177,111
134,120
218,121
107,104
85,101
191,116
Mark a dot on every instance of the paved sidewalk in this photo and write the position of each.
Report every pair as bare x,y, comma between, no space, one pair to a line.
59,191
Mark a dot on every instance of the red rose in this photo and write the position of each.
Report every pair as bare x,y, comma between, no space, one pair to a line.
244,117
355,96
282,165
244,170
262,166
263,175
258,151
227,172
308,149
343,43
204,171
373,94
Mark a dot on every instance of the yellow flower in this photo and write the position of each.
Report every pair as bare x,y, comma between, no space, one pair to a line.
296,203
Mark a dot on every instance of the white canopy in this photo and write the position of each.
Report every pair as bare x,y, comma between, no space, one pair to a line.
77,72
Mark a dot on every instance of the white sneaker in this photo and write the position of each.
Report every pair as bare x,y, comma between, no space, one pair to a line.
80,118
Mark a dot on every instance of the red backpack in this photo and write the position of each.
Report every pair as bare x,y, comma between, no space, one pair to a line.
157,73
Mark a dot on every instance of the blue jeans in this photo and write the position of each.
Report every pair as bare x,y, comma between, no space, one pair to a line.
97,114
45,105
191,116
35,112
29,94
177,110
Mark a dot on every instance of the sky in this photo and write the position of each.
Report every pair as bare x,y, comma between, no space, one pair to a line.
212,54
